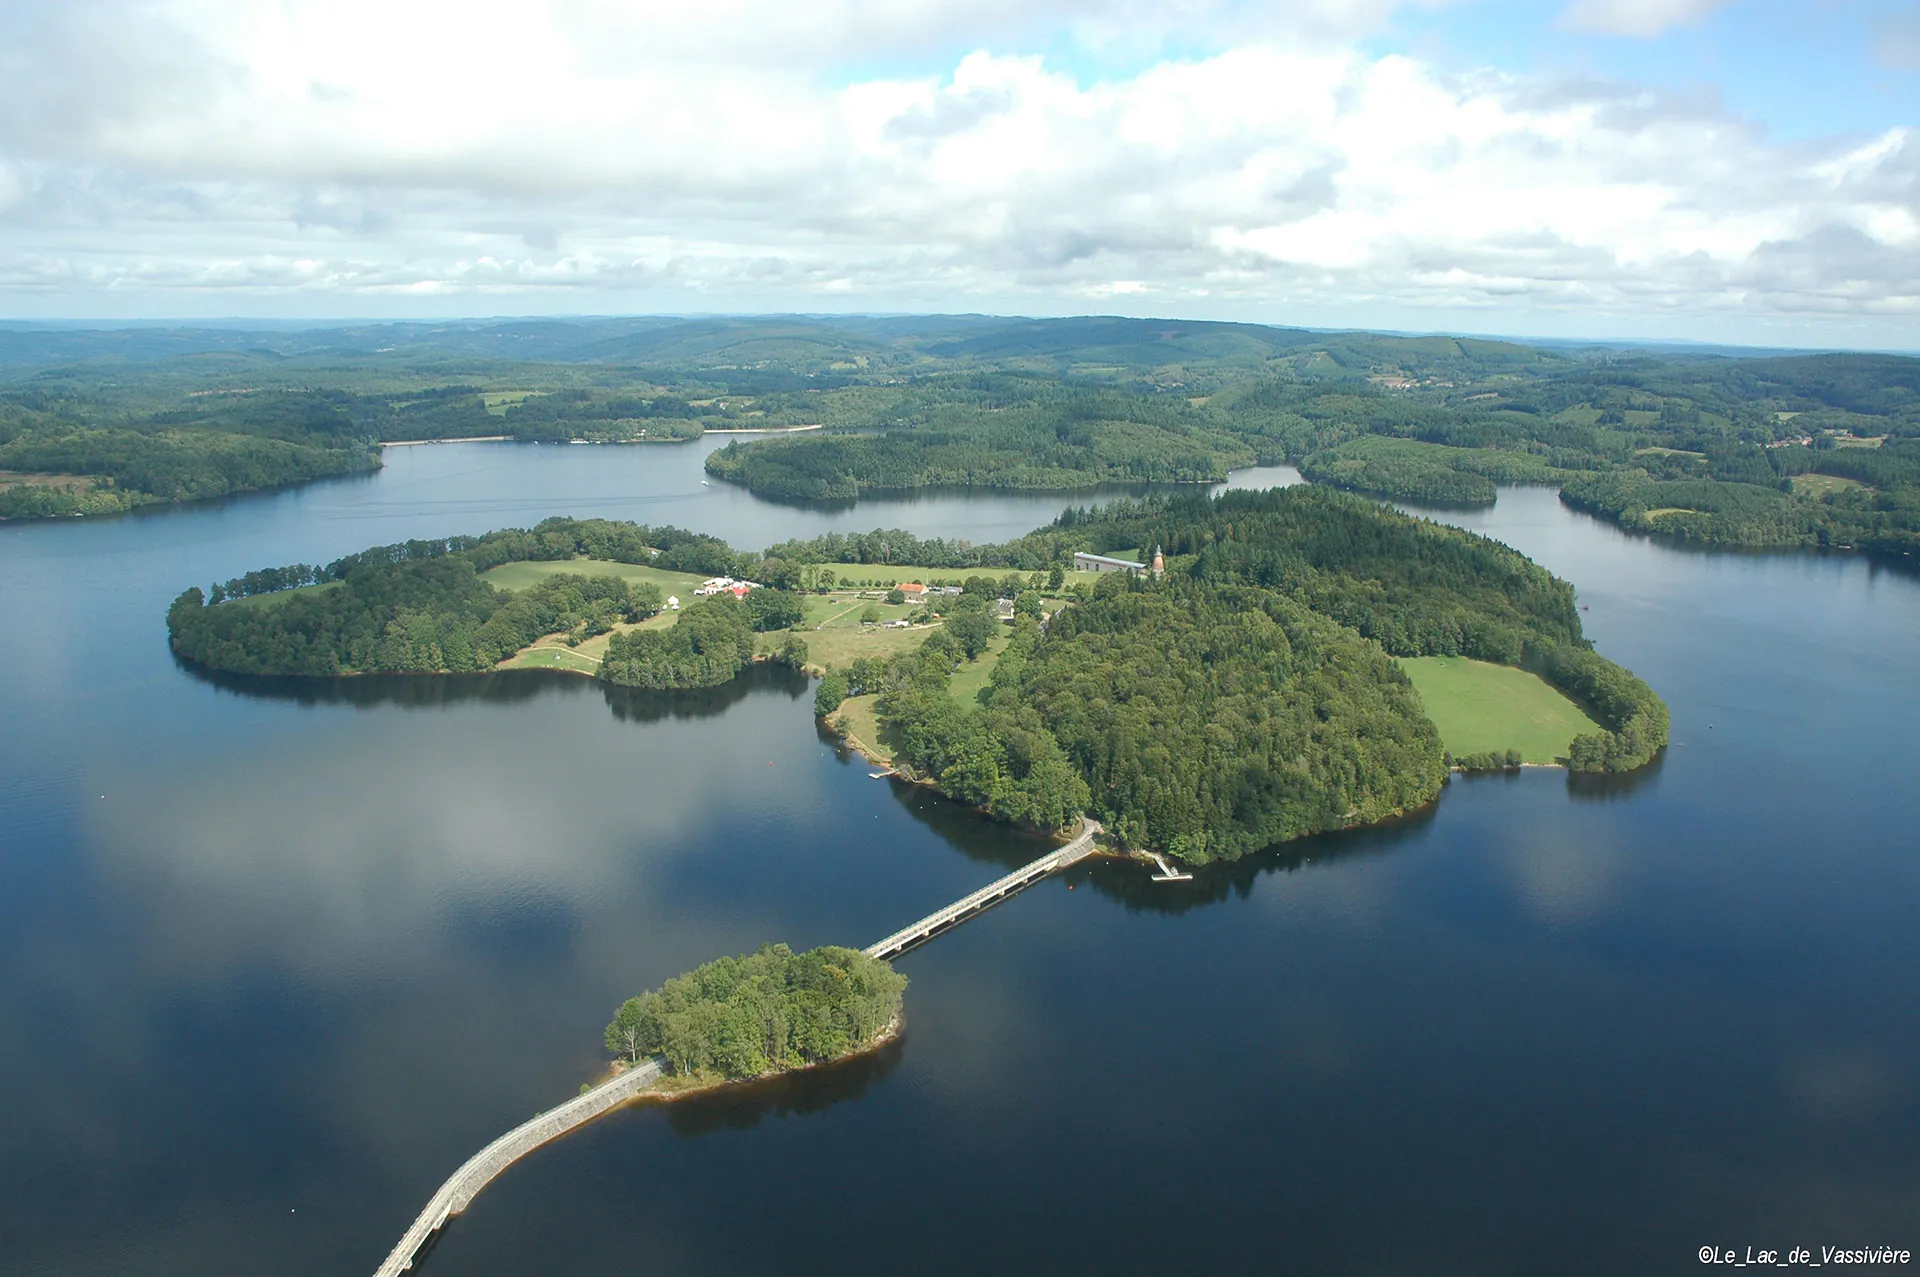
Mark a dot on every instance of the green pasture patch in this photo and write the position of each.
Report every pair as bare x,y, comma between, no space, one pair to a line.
1480,707
857,718
544,657
841,645
520,576
1819,485
975,674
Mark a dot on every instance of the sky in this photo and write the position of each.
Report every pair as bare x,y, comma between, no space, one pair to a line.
1732,171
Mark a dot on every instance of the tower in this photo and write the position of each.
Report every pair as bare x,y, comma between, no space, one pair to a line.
1159,563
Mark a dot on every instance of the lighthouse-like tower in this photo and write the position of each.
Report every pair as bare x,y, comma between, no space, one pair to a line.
1159,563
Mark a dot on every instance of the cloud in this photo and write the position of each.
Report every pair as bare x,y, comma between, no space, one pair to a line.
561,154
1639,18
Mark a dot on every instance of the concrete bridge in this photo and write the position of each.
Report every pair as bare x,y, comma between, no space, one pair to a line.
480,1170
483,1167
985,898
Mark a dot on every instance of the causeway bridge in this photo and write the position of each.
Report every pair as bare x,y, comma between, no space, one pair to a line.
986,898
483,1167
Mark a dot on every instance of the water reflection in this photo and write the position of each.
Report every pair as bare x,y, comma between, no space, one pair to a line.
1132,883
809,1091
1606,787
505,687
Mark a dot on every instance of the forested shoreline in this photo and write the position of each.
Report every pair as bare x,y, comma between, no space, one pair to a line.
1753,451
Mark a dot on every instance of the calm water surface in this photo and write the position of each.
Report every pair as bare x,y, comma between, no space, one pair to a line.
275,957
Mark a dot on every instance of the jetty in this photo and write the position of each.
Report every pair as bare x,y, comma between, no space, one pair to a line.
485,1166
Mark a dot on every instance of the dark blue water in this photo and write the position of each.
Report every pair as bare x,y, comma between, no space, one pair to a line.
274,958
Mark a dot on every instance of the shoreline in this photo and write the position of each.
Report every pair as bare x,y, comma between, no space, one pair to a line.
417,443
763,430
660,1091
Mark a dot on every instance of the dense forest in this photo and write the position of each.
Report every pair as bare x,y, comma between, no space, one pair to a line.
774,1009
710,643
1416,588
1207,721
995,432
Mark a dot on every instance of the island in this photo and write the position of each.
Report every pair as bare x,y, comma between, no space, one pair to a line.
740,1018
1293,661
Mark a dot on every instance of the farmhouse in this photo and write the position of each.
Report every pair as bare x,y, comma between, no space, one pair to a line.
912,589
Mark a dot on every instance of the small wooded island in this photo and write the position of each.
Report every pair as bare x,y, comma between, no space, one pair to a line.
1256,690
734,1019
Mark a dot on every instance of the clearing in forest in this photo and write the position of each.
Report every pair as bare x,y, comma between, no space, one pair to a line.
518,576
1481,707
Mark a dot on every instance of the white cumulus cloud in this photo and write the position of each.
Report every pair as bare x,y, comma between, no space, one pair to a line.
580,155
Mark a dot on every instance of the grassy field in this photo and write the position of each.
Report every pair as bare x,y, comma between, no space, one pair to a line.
973,675
552,652
1480,707
551,656
498,401
855,718
518,576
1818,485
842,644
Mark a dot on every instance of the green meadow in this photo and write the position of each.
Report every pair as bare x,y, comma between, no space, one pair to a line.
1480,707
518,576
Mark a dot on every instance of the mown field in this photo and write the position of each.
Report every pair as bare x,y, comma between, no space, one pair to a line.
1480,707
972,676
518,576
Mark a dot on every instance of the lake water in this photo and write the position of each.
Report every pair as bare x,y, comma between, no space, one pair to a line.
274,958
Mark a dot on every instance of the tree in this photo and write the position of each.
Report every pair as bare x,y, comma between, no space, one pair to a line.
869,614
896,595
831,693
770,609
974,628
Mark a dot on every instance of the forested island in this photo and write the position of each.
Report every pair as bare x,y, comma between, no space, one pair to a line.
1249,696
735,1019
